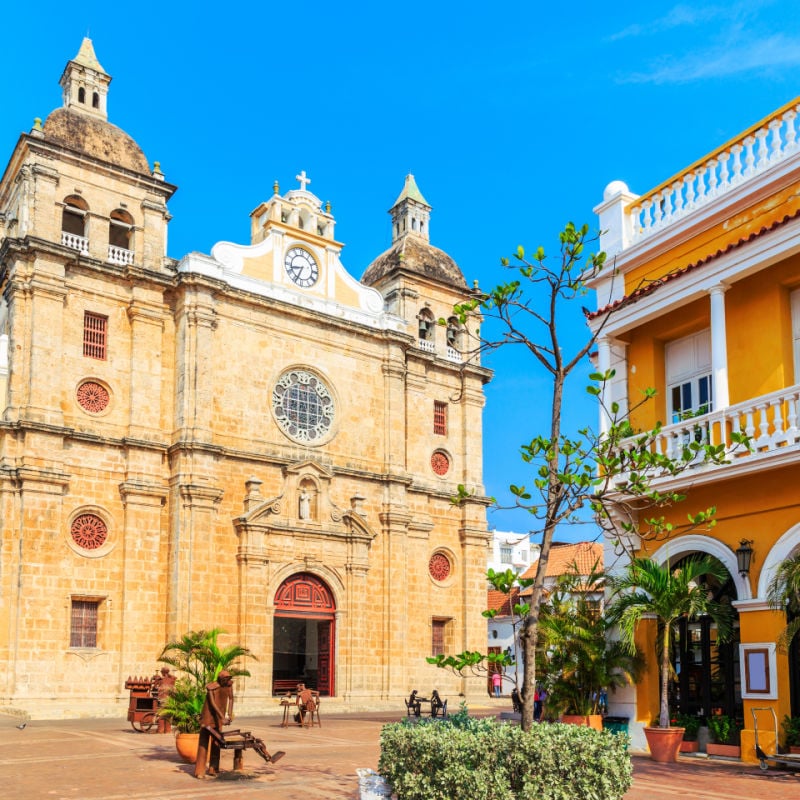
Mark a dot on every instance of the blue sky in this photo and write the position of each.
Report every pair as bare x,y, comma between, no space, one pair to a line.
513,118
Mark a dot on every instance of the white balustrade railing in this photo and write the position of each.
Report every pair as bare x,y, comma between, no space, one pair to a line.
79,243
770,422
749,155
454,355
427,345
120,255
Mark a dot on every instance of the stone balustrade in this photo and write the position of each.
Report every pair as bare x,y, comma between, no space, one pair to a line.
74,242
749,155
120,255
427,345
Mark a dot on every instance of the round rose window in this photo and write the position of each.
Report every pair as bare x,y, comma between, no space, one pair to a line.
303,406
89,531
440,463
439,566
92,397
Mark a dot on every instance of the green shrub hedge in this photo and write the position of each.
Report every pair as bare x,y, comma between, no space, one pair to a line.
485,760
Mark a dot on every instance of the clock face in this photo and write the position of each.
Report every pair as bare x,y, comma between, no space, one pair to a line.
301,267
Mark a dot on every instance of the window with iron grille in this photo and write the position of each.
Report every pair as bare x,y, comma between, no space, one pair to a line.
438,627
440,418
506,552
83,623
95,327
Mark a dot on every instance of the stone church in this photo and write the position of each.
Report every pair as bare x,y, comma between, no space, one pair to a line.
253,439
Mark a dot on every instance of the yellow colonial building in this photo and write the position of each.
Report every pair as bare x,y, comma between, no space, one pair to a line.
703,304
253,439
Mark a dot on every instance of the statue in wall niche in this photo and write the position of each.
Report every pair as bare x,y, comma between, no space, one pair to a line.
305,505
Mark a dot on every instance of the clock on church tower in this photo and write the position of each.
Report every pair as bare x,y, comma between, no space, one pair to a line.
301,267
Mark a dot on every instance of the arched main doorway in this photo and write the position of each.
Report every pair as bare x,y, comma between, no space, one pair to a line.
707,678
303,635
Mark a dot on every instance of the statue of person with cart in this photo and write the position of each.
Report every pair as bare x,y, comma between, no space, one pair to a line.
163,684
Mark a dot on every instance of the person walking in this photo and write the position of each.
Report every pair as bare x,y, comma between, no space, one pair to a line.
497,681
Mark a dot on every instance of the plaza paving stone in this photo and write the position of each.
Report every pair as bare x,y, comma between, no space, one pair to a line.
106,760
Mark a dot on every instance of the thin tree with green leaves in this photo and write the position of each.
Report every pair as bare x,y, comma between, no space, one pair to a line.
610,474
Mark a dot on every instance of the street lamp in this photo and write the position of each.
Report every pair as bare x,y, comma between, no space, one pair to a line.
744,555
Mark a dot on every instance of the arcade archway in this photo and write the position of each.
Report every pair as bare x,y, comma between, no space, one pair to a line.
304,635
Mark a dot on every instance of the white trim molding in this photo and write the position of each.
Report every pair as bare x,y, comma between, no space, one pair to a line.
698,543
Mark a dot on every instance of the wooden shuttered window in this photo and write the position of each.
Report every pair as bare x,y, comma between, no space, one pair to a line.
95,328
438,627
439,418
83,623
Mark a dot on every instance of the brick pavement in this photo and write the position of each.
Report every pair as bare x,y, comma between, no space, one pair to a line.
106,760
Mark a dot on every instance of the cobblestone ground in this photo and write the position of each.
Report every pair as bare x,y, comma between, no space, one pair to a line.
107,760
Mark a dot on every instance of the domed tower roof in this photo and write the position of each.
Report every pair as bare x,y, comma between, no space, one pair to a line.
411,250
96,138
82,124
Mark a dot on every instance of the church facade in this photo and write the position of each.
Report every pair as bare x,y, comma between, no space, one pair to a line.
252,440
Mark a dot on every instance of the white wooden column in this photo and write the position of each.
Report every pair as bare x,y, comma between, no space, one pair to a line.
603,366
719,347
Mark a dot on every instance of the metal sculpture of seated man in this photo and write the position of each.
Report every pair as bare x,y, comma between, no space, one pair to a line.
414,704
438,706
306,701
217,712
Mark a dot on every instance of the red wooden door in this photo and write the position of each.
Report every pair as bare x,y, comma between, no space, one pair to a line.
325,657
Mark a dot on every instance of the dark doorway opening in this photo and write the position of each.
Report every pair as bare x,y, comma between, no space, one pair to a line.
707,677
303,635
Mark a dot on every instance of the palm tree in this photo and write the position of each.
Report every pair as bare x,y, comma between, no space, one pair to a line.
200,658
577,660
647,589
199,655
783,594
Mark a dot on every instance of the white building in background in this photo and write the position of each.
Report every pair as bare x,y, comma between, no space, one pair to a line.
516,551
512,550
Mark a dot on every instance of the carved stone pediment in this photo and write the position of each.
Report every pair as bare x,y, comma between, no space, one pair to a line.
303,512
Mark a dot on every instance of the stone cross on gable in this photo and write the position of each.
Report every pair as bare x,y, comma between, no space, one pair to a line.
303,180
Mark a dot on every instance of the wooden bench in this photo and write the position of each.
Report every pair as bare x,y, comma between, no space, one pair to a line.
283,685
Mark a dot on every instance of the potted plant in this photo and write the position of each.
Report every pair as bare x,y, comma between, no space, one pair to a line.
691,726
579,664
791,733
647,589
199,657
722,730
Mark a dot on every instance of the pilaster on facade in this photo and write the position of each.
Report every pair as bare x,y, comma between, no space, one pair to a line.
147,324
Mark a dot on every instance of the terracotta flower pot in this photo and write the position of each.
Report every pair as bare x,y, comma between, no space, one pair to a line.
727,750
186,745
664,743
690,747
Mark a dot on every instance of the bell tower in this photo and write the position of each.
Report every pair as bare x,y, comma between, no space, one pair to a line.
411,213
85,83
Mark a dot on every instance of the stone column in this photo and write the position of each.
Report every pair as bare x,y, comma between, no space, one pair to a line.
192,572
392,657
719,347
